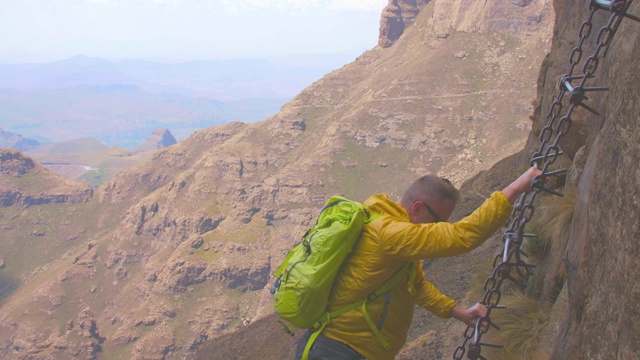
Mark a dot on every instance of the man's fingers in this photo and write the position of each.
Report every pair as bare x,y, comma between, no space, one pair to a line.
481,309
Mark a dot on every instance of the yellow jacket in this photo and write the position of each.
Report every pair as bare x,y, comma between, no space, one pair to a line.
388,243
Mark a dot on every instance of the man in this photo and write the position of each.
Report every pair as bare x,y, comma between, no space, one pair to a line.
412,230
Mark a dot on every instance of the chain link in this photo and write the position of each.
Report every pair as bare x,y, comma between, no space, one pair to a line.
508,265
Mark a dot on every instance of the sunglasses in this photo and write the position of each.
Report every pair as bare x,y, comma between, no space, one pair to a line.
431,211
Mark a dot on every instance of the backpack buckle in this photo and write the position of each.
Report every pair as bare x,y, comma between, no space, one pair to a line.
275,286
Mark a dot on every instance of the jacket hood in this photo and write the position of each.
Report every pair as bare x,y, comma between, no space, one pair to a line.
381,204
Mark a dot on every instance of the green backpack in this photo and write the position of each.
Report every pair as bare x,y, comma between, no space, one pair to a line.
306,276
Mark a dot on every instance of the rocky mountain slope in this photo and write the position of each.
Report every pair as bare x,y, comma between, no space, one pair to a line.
31,198
180,250
160,138
25,183
89,161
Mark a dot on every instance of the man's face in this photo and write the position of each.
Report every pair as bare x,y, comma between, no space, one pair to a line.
423,212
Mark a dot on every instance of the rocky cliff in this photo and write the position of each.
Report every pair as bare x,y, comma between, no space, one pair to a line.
396,16
25,183
179,251
159,139
602,251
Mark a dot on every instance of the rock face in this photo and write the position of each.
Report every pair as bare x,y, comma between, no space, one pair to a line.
14,163
16,141
159,139
462,15
396,16
603,253
25,183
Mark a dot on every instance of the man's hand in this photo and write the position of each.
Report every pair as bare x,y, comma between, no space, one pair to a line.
469,316
521,184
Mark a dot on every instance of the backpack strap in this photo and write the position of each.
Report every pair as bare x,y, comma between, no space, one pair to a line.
282,266
313,337
382,289
385,288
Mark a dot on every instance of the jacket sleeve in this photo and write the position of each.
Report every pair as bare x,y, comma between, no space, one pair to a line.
408,241
429,297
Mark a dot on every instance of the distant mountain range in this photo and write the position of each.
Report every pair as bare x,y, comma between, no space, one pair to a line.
224,80
121,102
16,141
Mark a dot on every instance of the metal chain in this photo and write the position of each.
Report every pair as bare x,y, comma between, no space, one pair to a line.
508,264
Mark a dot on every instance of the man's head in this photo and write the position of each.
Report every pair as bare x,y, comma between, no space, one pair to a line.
430,199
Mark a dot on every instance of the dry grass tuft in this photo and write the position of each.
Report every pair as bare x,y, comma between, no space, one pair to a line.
557,216
552,225
522,325
537,247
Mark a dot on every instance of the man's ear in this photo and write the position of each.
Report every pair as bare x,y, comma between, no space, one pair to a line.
414,207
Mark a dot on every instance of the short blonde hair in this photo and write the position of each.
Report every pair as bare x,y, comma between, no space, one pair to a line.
430,188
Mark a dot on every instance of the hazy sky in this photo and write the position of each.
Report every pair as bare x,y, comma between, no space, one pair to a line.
176,30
